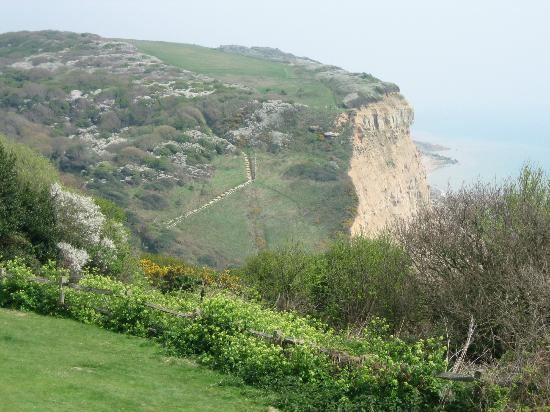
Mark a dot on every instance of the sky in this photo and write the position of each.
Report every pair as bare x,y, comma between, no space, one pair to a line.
474,69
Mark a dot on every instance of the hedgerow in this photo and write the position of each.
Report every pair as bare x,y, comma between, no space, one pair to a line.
383,372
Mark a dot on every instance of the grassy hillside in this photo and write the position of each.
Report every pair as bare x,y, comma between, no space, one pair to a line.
57,364
272,79
161,129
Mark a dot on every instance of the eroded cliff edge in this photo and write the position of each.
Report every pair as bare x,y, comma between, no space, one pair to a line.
385,168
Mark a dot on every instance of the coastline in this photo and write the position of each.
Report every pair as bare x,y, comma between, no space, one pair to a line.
463,161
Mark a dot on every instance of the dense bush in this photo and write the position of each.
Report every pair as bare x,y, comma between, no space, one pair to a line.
365,278
40,220
483,253
27,221
353,281
388,374
88,237
284,278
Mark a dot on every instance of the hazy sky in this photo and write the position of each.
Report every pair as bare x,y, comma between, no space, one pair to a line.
466,66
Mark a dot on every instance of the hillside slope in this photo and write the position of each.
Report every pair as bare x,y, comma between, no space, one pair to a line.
164,129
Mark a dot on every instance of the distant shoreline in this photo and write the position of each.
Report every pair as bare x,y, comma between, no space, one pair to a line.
431,156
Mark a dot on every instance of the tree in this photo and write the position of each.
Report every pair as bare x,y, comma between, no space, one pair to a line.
27,221
9,198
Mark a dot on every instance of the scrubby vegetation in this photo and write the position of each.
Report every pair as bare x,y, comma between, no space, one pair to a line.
331,323
350,283
42,221
158,130
473,268
493,268
27,219
366,325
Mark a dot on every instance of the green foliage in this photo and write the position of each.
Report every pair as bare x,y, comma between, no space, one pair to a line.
110,210
32,168
8,193
123,264
348,284
20,292
393,375
283,277
163,260
363,278
27,222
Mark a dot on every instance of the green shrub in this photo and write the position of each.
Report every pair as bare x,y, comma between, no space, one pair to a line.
364,278
110,210
8,193
19,291
284,278
27,221
35,215
351,282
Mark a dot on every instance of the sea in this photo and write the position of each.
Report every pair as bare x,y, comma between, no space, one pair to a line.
490,149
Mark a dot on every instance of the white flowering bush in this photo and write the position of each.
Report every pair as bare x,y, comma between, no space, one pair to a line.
72,258
87,236
79,219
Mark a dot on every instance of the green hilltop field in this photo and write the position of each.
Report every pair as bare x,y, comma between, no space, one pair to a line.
269,78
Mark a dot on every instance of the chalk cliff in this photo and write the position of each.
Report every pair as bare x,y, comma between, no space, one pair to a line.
386,168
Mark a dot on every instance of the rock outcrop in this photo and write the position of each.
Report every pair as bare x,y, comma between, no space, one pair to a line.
386,168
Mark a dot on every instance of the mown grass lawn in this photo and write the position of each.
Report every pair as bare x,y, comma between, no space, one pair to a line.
58,364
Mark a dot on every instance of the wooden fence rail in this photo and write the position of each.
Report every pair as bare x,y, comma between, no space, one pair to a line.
195,314
342,359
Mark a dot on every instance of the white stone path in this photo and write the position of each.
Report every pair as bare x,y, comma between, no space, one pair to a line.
172,223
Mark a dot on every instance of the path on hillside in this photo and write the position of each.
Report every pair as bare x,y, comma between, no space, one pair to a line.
172,223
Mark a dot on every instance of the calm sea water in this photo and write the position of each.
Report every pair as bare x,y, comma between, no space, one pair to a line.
488,148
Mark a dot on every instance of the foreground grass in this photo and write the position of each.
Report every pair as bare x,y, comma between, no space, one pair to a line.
58,364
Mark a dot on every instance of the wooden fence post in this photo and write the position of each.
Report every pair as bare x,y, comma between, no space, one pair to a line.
62,281
203,291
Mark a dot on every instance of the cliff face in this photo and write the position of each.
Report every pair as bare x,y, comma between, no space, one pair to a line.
385,168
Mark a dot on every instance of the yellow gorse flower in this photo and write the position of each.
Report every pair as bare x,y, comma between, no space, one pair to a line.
208,277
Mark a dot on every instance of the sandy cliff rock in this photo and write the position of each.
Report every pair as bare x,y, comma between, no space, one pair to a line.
386,167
